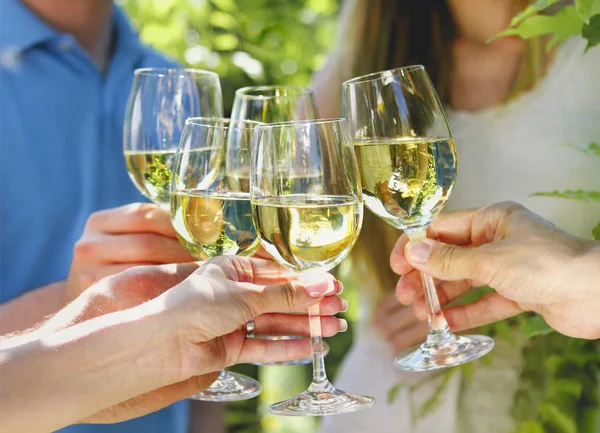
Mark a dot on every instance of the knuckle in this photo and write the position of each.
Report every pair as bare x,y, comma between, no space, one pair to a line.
288,294
445,258
84,249
96,220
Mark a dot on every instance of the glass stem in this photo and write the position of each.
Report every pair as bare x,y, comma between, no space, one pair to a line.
438,326
319,381
223,376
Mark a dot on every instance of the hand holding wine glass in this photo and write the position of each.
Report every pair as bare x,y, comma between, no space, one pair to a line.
408,168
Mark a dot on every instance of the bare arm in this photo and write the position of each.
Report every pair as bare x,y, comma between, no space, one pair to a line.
46,365
32,308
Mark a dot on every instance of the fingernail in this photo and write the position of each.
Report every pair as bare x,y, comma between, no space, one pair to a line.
344,306
418,251
316,288
343,325
339,286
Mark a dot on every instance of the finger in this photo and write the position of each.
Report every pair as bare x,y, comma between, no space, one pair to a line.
453,227
450,262
392,324
409,288
447,292
132,218
257,350
398,261
276,324
409,337
388,305
488,309
154,400
131,248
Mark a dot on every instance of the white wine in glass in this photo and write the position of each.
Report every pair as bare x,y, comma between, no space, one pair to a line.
271,104
307,209
211,213
408,168
161,100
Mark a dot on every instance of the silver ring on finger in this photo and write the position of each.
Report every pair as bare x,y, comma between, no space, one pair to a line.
250,329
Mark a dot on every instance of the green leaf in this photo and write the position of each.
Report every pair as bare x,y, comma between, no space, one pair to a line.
534,326
587,8
564,24
589,196
531,427
531,10
591,32
392,394
568,386
558,419
591,149
596,232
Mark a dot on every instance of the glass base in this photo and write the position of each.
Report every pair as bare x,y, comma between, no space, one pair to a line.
456,351
230,387
301,361
320,400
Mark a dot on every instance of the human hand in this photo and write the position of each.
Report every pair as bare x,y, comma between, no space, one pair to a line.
121,238
227,280
532,265
398,324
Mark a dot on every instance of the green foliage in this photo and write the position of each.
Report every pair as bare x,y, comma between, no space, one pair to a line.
572,194
534,326
591,32
596,232
591,149
587,9
582,18
564,24
559,386
246,42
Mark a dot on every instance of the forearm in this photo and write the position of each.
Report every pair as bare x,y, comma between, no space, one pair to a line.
31,308
61,377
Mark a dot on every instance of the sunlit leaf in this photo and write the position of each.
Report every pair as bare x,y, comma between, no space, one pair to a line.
587,8
589,196
222,19
591,32
558,419
534,326
596,232
532,10
392,394
590,149
225,5
531,427
564,24
225,42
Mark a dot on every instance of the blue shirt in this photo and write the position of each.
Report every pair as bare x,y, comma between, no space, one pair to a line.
61,157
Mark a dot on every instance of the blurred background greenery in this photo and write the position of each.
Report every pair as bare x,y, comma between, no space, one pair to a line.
251,42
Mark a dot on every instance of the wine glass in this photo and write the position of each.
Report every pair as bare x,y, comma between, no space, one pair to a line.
408,168
307,208
211,214
269,104
160,101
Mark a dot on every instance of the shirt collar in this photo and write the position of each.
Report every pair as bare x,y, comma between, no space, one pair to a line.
21,28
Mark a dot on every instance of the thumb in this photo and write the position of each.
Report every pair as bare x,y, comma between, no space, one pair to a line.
446,262
299,294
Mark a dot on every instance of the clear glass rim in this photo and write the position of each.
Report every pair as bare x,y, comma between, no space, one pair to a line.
175,71
225,122
382,74
246,92
338,120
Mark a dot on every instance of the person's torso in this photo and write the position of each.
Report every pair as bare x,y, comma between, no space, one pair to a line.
61,128
512,151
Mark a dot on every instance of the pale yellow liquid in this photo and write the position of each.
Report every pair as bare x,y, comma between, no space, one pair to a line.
152,172
305,232
213,224
407,182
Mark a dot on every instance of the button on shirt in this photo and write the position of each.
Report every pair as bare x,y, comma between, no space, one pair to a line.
61,157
